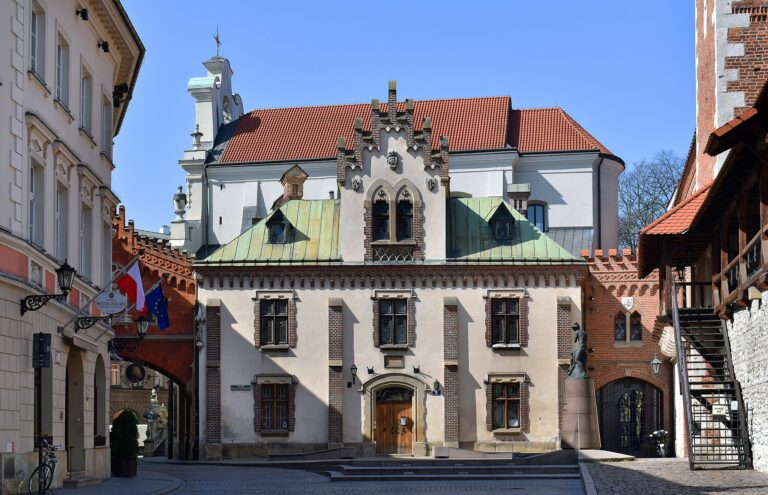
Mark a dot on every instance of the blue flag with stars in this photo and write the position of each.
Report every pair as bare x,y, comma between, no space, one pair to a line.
158,305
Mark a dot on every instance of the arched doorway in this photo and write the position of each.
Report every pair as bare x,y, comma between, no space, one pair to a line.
74,433
388,398
394,420
629,410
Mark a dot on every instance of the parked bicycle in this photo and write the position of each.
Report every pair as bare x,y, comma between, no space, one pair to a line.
42,477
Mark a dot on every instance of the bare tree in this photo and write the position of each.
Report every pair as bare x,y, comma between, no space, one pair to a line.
645,192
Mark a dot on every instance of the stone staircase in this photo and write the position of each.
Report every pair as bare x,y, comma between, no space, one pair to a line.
78,479
443,469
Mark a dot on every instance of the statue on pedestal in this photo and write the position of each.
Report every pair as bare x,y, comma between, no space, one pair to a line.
578,368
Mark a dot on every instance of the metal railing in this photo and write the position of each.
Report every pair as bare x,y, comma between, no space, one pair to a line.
682,371
692,295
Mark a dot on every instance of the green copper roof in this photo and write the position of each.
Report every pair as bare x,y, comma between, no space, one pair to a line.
313,237
469,236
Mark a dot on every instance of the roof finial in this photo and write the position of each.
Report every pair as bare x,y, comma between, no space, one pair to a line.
218,41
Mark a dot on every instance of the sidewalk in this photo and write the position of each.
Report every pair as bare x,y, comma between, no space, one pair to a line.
146,482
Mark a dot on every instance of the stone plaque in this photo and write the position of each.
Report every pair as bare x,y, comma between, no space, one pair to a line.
240,388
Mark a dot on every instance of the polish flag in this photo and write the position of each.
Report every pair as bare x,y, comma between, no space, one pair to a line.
131,285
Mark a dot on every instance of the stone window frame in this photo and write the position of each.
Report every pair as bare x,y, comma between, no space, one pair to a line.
270,380
403,190
523,318
410,298
523,380
628,317
291,297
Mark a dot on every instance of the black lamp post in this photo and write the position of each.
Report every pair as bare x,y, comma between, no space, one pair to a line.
655,365
65,275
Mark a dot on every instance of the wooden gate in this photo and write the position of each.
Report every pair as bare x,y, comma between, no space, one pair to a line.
394,424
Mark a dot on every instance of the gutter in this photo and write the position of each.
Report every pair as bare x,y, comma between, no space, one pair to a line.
599,225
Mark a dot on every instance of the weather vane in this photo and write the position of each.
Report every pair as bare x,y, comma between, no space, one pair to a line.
218,41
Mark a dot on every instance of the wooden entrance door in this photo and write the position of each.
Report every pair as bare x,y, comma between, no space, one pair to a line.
394,424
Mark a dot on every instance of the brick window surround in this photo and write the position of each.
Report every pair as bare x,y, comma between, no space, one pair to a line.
627,327
410,301
259,303
510,381
395,247
262,386
522,316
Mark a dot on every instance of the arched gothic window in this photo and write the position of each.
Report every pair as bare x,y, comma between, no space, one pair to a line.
404,216
635,327
620,327
381,220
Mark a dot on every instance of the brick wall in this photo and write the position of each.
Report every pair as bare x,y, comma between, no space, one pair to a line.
213,375
752,67
450,374
564,347
611,278
335,373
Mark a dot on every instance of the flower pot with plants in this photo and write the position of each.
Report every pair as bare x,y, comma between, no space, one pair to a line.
124,441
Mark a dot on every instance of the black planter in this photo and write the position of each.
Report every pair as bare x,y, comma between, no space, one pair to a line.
124,468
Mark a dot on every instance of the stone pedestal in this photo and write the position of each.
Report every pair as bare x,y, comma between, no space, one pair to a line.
580,427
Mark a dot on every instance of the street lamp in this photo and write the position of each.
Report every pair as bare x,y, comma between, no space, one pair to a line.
65,275
142,323
655,365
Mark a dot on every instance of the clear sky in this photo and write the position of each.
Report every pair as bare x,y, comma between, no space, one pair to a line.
624,70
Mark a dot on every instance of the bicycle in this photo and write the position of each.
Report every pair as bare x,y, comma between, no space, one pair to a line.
41,478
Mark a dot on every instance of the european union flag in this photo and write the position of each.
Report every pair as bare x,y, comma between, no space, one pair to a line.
158,305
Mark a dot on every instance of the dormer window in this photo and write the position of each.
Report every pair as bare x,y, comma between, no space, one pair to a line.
404,220
277,227
501,224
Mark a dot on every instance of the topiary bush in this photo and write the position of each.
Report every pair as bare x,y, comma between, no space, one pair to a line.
124,437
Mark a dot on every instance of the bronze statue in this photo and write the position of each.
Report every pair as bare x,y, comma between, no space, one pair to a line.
578,368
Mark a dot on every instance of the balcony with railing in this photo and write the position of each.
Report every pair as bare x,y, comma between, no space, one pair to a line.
746,269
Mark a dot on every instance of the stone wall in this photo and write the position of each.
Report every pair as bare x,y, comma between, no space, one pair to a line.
748,333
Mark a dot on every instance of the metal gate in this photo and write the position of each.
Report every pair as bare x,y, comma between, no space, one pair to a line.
629,411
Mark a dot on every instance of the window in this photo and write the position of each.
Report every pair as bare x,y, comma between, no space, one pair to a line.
506,321
277,227
380,221
404,215
114,375
106,126
86,237
37,37
106,256
624,321
62,198
86,101
506,405
537,216
62,72
274,321
501,223
36,204
274,406
393,321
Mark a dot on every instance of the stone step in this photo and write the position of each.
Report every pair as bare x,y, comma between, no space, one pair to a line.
80,481
460,469
340,477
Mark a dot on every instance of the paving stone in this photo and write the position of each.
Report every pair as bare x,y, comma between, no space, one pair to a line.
672,476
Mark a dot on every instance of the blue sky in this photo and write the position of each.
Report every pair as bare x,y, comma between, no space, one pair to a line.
623,70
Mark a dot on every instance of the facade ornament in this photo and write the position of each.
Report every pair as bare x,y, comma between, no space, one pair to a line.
357,183
392,159
180,205
431,183
406,193
381,193
196,137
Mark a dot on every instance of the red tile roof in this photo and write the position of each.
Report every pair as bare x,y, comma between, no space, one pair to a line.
678,219
471,124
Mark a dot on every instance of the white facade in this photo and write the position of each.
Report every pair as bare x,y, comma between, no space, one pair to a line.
63,62
227,197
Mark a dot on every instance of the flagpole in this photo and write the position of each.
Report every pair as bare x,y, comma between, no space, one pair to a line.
129,308
119,273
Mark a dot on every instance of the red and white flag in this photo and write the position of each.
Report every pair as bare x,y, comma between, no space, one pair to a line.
130,284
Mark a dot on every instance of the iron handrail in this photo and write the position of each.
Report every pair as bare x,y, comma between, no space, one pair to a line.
681,370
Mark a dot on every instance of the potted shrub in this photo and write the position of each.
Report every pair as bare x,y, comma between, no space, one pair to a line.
124,440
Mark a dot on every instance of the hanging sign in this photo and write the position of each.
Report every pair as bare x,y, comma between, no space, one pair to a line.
110,302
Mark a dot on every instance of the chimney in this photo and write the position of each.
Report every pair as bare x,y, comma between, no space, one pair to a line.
518,195
392,102
293,183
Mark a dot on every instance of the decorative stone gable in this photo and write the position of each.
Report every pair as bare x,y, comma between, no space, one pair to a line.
392,120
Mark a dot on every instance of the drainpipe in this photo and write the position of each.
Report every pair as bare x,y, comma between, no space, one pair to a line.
599,227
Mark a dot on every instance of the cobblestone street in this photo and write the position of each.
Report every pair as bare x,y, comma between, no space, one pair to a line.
252,480
672,476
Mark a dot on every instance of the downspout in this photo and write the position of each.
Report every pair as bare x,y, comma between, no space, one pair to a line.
599,227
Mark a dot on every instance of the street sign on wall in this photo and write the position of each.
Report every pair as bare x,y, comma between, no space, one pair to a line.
41,350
